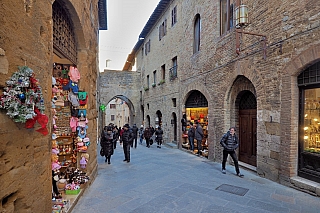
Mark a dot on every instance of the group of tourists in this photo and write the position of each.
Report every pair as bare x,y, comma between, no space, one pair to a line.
150,135
128,137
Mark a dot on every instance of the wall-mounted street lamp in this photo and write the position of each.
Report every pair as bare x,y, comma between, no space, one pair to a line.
242,20
242,17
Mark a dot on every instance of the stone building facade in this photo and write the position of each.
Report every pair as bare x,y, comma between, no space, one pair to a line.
248,76
26,39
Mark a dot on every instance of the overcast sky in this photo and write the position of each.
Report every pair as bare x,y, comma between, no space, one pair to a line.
126,19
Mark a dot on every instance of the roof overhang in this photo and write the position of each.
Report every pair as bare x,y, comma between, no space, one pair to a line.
102,6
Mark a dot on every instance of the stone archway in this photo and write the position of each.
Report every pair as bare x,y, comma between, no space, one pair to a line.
121,84
290,109
121,105
244,118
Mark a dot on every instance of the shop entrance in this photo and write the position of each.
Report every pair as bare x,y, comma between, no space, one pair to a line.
196,110
248,128
309,123
159,119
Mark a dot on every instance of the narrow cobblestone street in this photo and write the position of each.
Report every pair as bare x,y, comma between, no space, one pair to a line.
170,180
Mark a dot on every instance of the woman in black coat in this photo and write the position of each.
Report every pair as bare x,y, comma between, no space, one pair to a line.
159,137
107,142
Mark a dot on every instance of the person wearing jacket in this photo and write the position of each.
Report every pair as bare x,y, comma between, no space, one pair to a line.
147,135
230,143
159,137
135,135
127,139
191,133
107,142
141,131
198,135
115,136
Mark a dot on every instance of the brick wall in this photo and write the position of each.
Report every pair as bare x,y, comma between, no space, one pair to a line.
291,28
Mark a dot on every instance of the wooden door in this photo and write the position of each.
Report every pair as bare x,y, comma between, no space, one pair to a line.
248,136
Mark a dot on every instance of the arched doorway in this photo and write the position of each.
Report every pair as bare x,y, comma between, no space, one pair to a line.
148,121
196,108
247,127
175,126
159,118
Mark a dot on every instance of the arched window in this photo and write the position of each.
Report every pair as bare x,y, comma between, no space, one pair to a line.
64,41
196,34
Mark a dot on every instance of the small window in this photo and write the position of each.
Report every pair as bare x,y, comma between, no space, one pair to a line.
112,117
174,102
112,106
173,70
196,34
226,16
147,47
163,71
163,29
148,81
154,77
174,16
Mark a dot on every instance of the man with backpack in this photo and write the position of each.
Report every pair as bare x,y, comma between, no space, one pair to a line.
230,143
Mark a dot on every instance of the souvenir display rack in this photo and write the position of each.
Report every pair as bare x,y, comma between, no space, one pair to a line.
70,141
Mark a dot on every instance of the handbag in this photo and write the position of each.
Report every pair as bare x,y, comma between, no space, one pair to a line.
101,152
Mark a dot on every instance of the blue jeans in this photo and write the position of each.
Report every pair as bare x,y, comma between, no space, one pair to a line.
191,143
141,139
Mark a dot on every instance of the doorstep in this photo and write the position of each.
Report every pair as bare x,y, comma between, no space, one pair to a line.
171,145
247,166
305,185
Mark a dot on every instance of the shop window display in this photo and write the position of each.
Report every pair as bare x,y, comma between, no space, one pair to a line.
312,121
309,166
199,114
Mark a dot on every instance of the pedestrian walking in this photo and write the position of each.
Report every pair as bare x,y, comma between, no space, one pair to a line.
140,132
191,133
127,139
230,143
120,135
107,143
135,135
115,136
184,122
153,137
147,135
159,136
198,135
